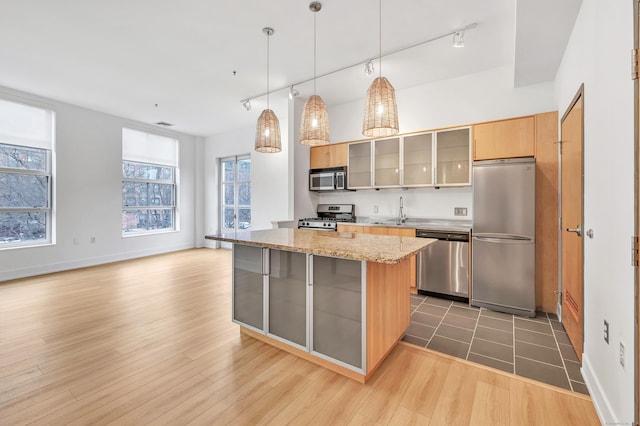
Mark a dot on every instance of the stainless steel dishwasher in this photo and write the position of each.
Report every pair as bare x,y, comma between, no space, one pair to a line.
443,267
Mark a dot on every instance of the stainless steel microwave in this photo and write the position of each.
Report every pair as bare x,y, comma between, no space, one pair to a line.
328,179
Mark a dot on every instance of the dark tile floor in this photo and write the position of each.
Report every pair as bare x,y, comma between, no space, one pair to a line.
537,348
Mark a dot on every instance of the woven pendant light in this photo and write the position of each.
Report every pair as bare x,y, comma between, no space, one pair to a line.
268,128
380,108
315,120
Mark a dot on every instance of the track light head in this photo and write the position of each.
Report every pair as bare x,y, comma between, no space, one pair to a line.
458,39
368,68
246,104
293,92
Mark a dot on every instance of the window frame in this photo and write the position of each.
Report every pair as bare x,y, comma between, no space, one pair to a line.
236,185
171,161
48,210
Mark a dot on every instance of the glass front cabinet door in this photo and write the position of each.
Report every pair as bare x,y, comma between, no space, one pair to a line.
418,160
453,153
387,162
359,168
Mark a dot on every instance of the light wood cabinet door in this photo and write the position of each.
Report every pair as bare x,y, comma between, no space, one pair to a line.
504,139
401,232
350,228
327,156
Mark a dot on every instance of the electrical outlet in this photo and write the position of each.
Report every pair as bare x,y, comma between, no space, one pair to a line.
606,331
459,211
375,209
92,240
622,354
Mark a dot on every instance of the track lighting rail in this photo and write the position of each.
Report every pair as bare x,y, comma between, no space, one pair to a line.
360,63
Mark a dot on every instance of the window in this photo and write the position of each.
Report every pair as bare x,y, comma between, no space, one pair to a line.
235,190
149,183
26,143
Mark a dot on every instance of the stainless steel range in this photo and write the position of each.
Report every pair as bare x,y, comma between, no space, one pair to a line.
329,215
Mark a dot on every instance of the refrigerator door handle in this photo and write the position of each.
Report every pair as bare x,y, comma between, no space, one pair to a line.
504,239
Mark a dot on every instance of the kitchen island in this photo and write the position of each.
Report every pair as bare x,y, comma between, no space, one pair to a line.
338,299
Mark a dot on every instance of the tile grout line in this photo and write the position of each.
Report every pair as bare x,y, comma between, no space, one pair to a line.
440,323
564,366
473,336
490,357
513,331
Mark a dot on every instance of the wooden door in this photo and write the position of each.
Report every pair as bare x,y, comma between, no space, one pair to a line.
636,45
571,221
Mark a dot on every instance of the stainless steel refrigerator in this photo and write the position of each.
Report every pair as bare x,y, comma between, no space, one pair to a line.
503,274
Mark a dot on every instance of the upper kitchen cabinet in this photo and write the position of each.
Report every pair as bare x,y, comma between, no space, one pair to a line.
387,162
359,170
453,155
504,139
328,156
417,159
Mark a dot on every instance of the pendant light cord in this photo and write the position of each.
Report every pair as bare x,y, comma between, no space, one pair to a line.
314,52
268,37
380,35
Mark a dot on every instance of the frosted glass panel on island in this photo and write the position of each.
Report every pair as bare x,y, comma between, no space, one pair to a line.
337,309
288,296
248,290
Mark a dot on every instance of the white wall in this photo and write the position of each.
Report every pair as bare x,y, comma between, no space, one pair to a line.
270,176
305,202
485,96
88,195
418,202
598,55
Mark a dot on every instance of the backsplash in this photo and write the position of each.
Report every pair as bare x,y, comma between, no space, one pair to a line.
418,202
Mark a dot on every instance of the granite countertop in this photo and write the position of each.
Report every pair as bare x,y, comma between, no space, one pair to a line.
458,225
346,245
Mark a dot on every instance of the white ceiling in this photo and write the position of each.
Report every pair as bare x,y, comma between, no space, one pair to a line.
124,57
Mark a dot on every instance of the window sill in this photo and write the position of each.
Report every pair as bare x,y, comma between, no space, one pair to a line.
147,233
26,246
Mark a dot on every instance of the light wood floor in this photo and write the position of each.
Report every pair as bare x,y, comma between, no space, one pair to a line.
150,341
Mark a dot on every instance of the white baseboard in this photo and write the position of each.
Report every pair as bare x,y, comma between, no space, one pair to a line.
83,263
600,401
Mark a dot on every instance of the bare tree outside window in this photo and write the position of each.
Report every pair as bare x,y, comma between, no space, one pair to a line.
24,193
148,197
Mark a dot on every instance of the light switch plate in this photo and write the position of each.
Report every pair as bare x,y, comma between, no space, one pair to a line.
459,211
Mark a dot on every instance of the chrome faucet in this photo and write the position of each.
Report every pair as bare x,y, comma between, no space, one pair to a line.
401,216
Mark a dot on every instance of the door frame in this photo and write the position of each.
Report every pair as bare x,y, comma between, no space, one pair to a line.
579,95
636,192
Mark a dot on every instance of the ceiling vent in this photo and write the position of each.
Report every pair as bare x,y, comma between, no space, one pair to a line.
164,123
